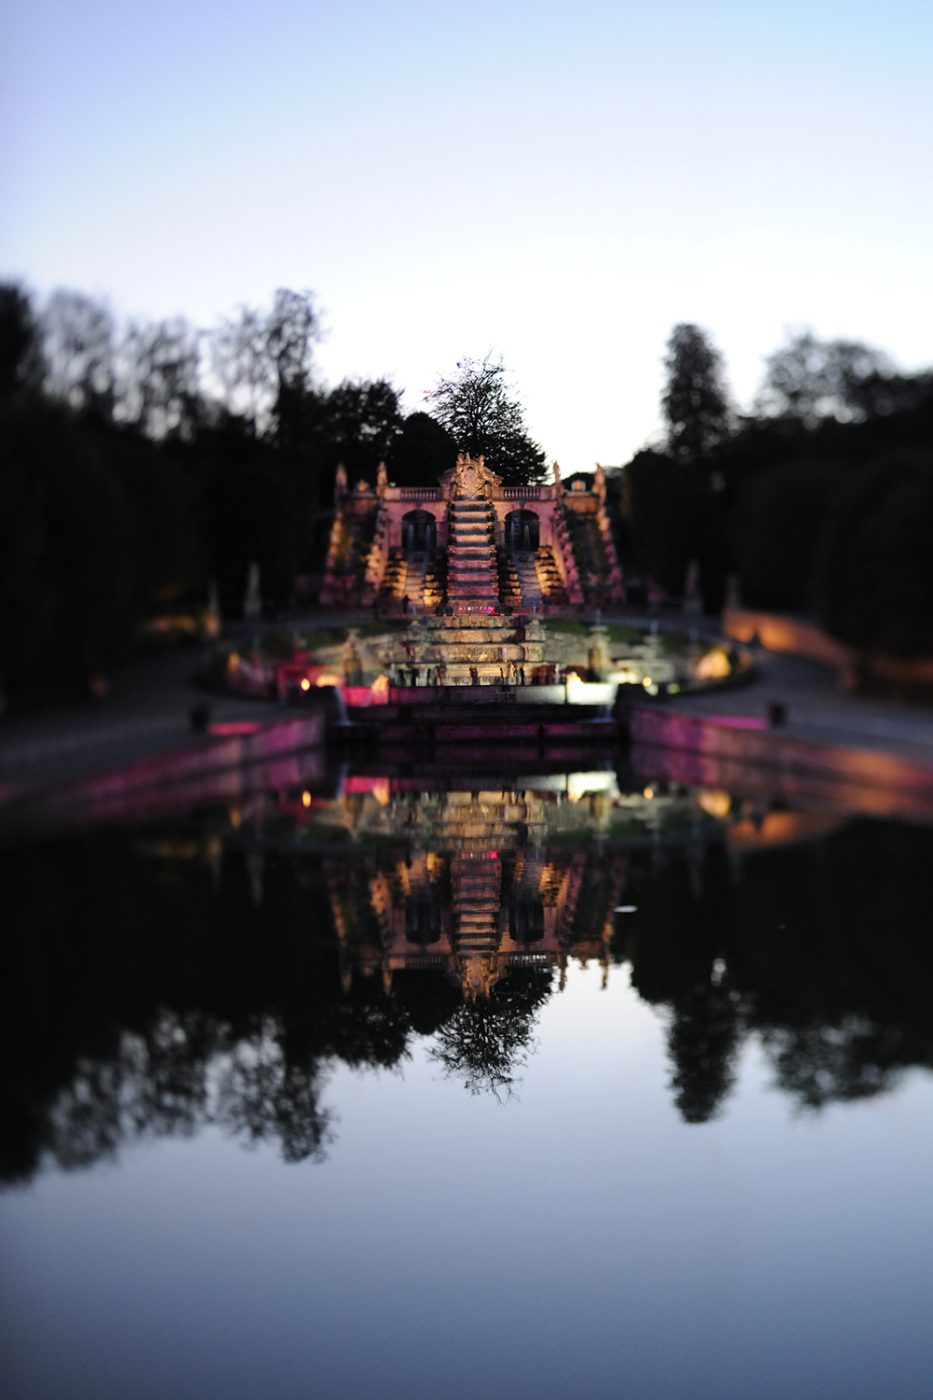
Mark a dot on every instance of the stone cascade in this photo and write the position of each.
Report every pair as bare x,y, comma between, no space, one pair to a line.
549,578
510,588
414,579
417,578
472,566
595,555
394,580
465,649
527,570
350,543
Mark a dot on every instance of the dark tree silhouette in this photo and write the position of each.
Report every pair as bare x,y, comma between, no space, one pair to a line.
695,403
487,1041
265,359
157,385
68,543
874,572
360,423
422,452
809,379
477,408
78,337
778,518
21,363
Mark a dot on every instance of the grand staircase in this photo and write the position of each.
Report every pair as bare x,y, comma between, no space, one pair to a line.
548,577
532,592
350,543
472,566
417,578
599,571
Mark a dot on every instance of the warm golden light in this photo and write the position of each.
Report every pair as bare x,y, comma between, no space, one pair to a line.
306,798
714,666
715,803
305,683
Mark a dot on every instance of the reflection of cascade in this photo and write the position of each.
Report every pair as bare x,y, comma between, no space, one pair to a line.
476,899
487,820
255,866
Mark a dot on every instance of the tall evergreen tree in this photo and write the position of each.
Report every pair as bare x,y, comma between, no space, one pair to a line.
695,402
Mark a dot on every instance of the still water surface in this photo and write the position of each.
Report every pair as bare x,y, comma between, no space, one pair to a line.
574,1086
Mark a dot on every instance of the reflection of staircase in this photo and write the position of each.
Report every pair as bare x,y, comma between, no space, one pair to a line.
472,574
475,885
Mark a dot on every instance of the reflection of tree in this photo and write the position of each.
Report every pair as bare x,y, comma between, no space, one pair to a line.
264,1098
821,949
820,1064
488,1040
138,1000
702,1044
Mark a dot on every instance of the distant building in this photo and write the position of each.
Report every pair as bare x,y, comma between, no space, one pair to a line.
472,543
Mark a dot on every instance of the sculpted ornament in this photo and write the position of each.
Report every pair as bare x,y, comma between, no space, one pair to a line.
470,477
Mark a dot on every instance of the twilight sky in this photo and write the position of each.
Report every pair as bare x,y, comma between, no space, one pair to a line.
559,184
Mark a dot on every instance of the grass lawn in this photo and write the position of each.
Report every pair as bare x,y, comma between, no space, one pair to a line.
619,633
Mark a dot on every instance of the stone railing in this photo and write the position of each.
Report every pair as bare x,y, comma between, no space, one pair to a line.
525,493
415,493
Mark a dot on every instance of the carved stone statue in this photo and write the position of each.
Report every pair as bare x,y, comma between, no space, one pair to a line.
470,478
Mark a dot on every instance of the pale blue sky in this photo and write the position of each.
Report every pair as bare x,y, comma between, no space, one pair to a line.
556,183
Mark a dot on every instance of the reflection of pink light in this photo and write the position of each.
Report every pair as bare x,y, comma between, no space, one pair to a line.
234,726
739,721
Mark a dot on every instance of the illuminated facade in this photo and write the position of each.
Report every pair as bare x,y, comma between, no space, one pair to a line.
472,544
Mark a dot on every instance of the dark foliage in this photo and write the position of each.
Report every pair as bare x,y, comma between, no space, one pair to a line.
128,490
477,409
695,402
422,452
874,571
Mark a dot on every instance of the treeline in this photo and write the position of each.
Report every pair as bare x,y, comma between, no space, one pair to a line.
820,499
142,460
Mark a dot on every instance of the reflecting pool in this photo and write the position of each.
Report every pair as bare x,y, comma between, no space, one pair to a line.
407,1084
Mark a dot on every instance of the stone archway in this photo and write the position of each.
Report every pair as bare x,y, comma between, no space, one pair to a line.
419,532
423,918
526,920
522,531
